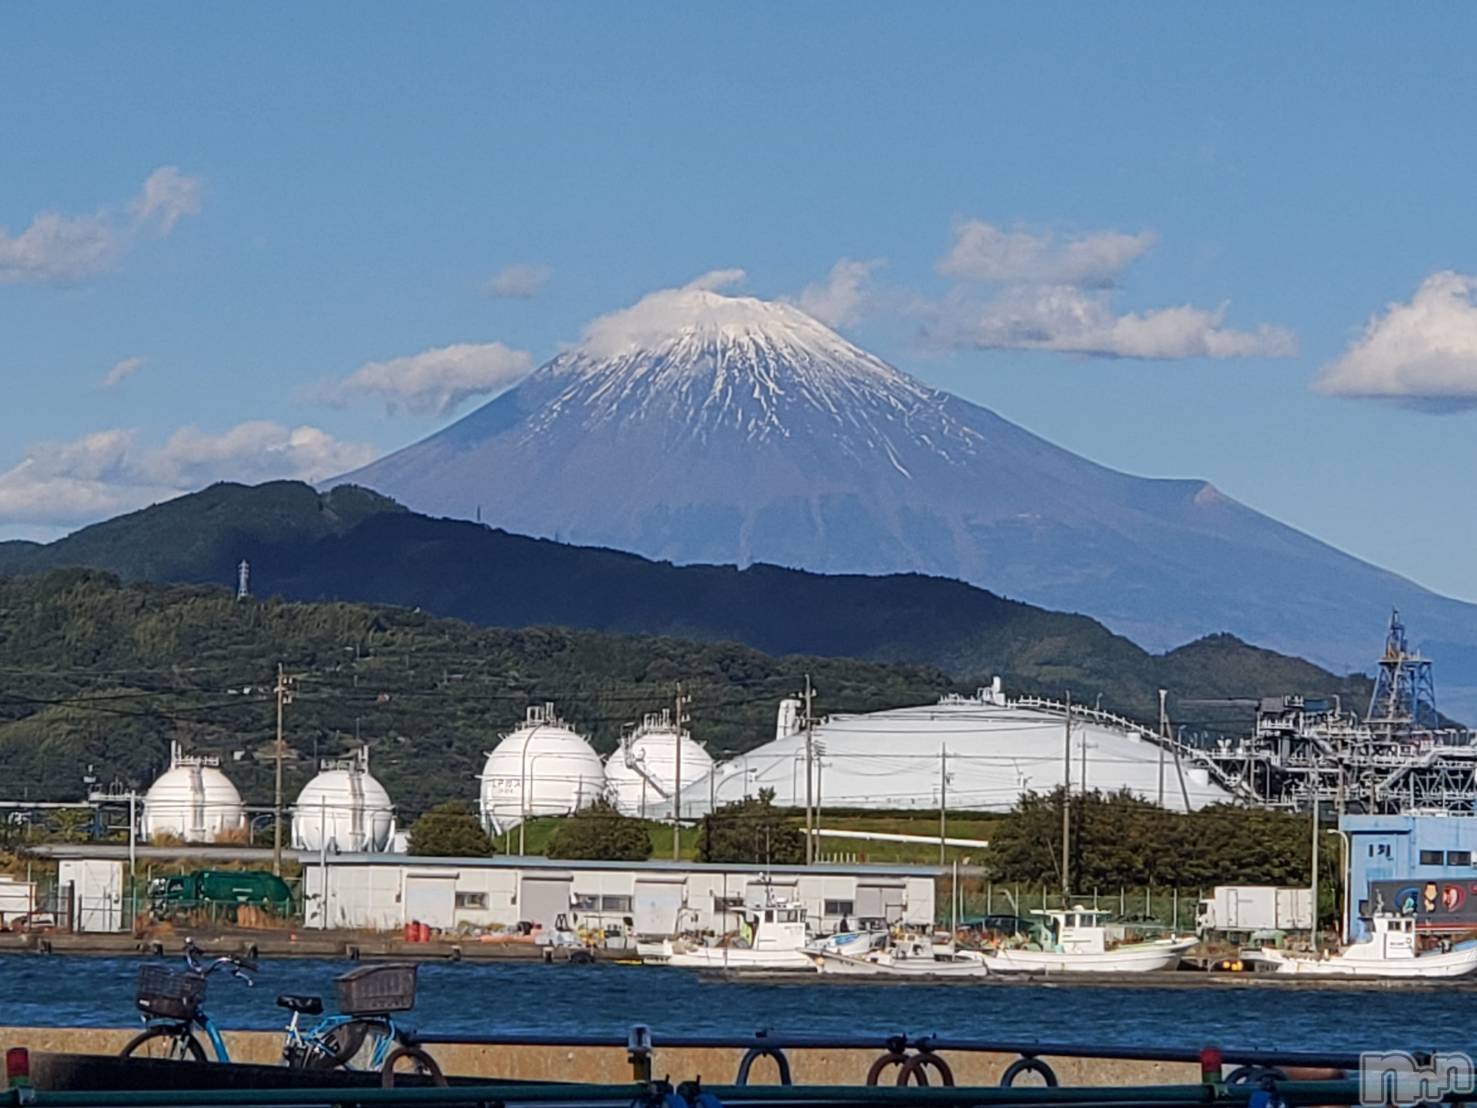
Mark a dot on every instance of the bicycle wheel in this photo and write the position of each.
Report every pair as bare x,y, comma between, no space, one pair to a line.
420,1063
173,1044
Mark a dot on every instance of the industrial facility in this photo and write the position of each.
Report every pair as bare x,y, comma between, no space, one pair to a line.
1402,757
979,753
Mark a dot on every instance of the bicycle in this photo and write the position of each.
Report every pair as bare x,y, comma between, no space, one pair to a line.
172,1006
365,1034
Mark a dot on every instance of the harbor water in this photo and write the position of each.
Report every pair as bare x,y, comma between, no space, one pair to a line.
605,999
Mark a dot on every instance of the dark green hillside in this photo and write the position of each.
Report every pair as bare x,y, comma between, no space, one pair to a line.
354,545
95,674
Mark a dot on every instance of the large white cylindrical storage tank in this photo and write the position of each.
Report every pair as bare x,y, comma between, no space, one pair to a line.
343,810
642,773
542,769
193,801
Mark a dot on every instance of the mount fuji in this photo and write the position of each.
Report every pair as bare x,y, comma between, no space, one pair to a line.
700,427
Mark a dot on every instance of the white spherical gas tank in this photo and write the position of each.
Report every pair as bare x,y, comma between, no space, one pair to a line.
343,810
643,771
193,801
542,769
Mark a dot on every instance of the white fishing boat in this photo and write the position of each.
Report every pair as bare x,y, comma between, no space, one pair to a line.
1081,945
913,956
772,936
1389,951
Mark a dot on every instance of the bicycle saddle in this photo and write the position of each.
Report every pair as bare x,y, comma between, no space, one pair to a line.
306,1005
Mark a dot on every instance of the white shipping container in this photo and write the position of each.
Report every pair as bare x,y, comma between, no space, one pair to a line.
16,898
1246,908
1295,909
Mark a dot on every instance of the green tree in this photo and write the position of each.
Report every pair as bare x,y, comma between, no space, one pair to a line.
753,831
600,832
450,830
1119,839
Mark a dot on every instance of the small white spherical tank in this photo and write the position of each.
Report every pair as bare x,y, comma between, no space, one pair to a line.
343,810
642,772
193,801
542,769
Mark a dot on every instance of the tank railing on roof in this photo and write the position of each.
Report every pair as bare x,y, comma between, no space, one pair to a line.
1095,715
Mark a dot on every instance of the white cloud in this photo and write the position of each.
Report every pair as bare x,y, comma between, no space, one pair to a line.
107,472
1423,353
842,297
60,249
121,372
983,252
166,198
1059,296
434,382
715,279
657,315
518,281
1070,320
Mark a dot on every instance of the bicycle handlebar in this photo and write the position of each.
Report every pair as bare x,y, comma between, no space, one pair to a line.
237,964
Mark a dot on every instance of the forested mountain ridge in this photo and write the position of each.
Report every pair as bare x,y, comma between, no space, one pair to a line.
353,545
97,677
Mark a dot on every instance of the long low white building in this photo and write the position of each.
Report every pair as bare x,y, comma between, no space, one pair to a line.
979,753
384,892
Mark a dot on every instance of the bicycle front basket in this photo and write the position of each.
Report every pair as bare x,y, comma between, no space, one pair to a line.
165,994
377,990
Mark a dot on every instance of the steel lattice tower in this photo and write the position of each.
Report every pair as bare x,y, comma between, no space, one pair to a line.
1405,688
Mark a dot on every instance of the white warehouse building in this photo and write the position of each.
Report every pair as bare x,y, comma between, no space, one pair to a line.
384,893
978,753
544,768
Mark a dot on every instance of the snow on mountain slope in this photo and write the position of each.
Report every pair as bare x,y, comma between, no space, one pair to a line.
698,427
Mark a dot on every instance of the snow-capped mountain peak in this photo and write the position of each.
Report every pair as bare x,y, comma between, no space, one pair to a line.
759,367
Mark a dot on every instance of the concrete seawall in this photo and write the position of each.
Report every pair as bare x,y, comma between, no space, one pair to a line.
608,1065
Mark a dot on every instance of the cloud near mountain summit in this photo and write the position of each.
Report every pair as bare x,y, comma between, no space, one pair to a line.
1018,290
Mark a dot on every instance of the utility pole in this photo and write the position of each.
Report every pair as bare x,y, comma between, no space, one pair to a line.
1163,738
1067,809
283,690
943,800
679,720
809,817
1316,783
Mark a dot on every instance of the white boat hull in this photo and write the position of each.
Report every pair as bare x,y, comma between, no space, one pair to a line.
1135,958
1455,963
740,958
843,965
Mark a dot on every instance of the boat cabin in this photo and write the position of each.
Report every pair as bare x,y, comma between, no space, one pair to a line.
1390,937
775,925
1078,930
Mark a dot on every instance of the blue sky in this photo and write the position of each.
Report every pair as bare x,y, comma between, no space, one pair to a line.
234,210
